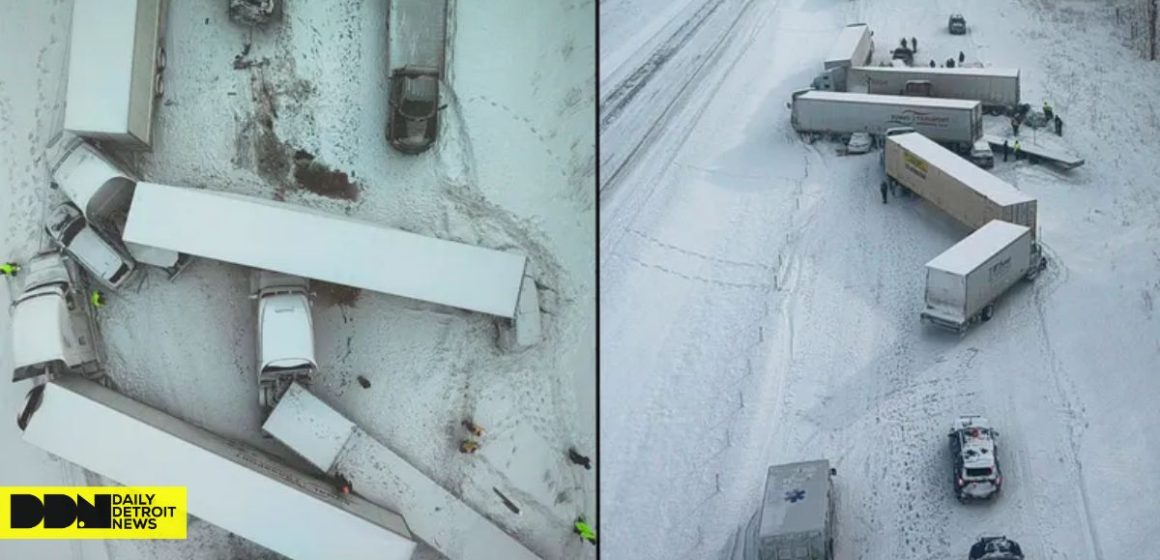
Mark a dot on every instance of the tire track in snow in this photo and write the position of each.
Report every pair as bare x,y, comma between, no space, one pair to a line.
618,152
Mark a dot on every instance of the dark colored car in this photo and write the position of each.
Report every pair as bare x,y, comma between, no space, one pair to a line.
996,548
957,24
414,109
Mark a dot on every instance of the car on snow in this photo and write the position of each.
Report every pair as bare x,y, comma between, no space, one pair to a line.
107,262
995,548
974,449
957,24
860,143
414,109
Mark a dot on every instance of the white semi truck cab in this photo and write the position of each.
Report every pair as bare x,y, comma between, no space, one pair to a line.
52,329
285,334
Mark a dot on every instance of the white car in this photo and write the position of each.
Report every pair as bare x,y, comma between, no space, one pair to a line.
860,143
110,265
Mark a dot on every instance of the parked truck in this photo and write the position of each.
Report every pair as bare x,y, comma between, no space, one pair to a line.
963,283
285,334
53,331
968,194
957,122
115,72
103,191
996,88
854,47
797,513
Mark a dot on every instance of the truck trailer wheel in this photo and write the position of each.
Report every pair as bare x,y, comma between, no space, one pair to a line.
158,86
161,58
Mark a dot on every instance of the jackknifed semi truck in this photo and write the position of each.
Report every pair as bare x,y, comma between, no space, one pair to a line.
854,47
968,194
956,122
996,88
963,283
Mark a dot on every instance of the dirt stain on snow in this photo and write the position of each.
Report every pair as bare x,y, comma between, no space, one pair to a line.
330,295
319,179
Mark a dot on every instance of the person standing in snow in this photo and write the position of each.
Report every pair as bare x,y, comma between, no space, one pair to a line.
1018,150
10,269
344,486
962,57
579,459
1047,111
1014,126
932,63
950,63
903,43
97,299
1058,126
1005,149
914,44
882,188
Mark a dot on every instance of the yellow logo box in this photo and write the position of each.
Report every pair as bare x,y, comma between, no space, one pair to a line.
92,512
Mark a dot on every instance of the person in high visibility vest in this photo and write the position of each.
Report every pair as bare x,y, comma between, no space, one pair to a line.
9,269
1018,150
97,299
584,530
1047,111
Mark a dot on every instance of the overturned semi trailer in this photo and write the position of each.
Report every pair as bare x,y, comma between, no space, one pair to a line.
233,486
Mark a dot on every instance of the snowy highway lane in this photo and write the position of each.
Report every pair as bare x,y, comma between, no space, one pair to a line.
760,306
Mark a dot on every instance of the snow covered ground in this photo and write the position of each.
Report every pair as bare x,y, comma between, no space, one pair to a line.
760,303
513,169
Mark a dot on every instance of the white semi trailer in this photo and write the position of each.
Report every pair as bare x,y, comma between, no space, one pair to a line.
996,88
970,195
954,121
116,63
854,47
963,282
231,485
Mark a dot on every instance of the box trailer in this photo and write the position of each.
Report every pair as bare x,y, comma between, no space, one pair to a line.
235,487
299,241
970,195
963,282
797,513
332,443
116,61
996,88
854,47
954,121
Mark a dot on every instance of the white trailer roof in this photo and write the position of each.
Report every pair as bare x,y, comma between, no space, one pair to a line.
100,65
957,71
952,164
847,42
309,427
229,485
931,102
303,242
976,248
39,323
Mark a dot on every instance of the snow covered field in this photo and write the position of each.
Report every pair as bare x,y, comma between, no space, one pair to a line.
296,111
760,303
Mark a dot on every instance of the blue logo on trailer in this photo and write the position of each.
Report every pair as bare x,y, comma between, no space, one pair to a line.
795,496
